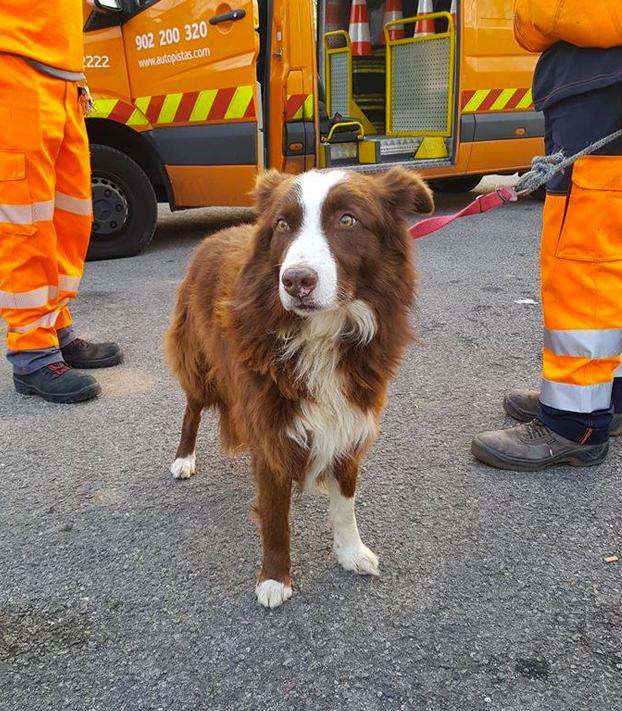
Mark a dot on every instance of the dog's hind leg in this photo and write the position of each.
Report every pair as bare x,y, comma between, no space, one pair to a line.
184,465
350,550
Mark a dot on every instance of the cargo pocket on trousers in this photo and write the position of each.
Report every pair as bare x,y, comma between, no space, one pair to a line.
592,226
16,211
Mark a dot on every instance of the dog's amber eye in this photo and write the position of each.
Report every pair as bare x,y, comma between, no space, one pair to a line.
348,220
282,226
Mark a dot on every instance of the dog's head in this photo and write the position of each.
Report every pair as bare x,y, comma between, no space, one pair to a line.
330,232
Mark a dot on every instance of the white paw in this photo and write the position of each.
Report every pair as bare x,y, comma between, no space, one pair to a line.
271,593
184,467
360,559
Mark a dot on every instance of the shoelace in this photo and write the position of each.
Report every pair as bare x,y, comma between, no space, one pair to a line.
55,370
80,343
537,430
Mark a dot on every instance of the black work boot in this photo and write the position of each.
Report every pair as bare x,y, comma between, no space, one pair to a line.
524,405
532,446
84,355
58,383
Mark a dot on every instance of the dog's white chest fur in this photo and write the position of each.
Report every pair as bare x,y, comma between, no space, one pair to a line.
329,425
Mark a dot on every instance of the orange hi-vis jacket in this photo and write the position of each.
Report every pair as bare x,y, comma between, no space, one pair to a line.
539,24
47,31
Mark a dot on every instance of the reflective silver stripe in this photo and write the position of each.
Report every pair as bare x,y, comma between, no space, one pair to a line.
33,299
27,214
43,211
36,298
602,343
68,283
617,373
79,206
576,398
44,322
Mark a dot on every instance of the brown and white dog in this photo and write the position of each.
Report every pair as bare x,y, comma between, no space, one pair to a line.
292,329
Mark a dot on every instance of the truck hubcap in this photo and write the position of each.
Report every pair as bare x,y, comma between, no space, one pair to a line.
110,208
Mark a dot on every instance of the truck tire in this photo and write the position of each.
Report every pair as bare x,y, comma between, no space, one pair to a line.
463,184
125,208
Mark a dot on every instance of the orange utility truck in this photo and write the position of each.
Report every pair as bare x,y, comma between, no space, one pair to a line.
194,97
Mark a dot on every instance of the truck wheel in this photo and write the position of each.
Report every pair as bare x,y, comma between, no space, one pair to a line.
125,208
455,185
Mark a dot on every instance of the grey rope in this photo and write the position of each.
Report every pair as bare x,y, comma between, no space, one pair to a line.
543,168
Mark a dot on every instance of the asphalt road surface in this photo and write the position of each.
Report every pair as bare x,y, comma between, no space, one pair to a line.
121,588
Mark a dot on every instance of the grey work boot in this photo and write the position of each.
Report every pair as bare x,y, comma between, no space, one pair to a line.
58,383
85,355
524,405
532,446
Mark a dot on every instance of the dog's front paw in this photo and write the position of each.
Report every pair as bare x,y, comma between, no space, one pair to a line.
359,559
271,593
184,467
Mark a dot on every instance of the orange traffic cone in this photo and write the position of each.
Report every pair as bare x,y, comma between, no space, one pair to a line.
359,29
393,11
425,27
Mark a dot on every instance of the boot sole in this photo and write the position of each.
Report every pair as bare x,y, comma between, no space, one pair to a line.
589,458
87,393
94,364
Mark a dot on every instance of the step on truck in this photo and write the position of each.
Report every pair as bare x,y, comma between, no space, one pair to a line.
194,97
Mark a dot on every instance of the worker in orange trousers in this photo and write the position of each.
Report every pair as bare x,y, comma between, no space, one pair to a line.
45,199
578,86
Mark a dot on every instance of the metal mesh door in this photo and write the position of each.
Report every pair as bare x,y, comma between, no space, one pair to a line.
338,62
420,83
339,82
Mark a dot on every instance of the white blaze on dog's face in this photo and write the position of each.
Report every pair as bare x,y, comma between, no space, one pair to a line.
336,237
308,274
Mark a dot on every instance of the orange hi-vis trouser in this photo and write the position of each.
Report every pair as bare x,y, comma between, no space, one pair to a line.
581,269
45,208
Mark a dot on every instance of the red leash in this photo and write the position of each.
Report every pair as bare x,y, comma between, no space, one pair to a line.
483,203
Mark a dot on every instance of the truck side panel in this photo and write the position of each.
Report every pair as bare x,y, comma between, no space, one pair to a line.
496,105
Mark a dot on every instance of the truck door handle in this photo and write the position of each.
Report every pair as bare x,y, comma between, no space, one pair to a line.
230,16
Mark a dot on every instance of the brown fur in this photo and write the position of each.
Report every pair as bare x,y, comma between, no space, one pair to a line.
224,344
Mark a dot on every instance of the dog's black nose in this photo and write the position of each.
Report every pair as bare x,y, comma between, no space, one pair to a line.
299,281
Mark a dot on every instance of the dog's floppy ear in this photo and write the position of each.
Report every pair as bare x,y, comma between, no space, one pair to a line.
265,187
407,192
